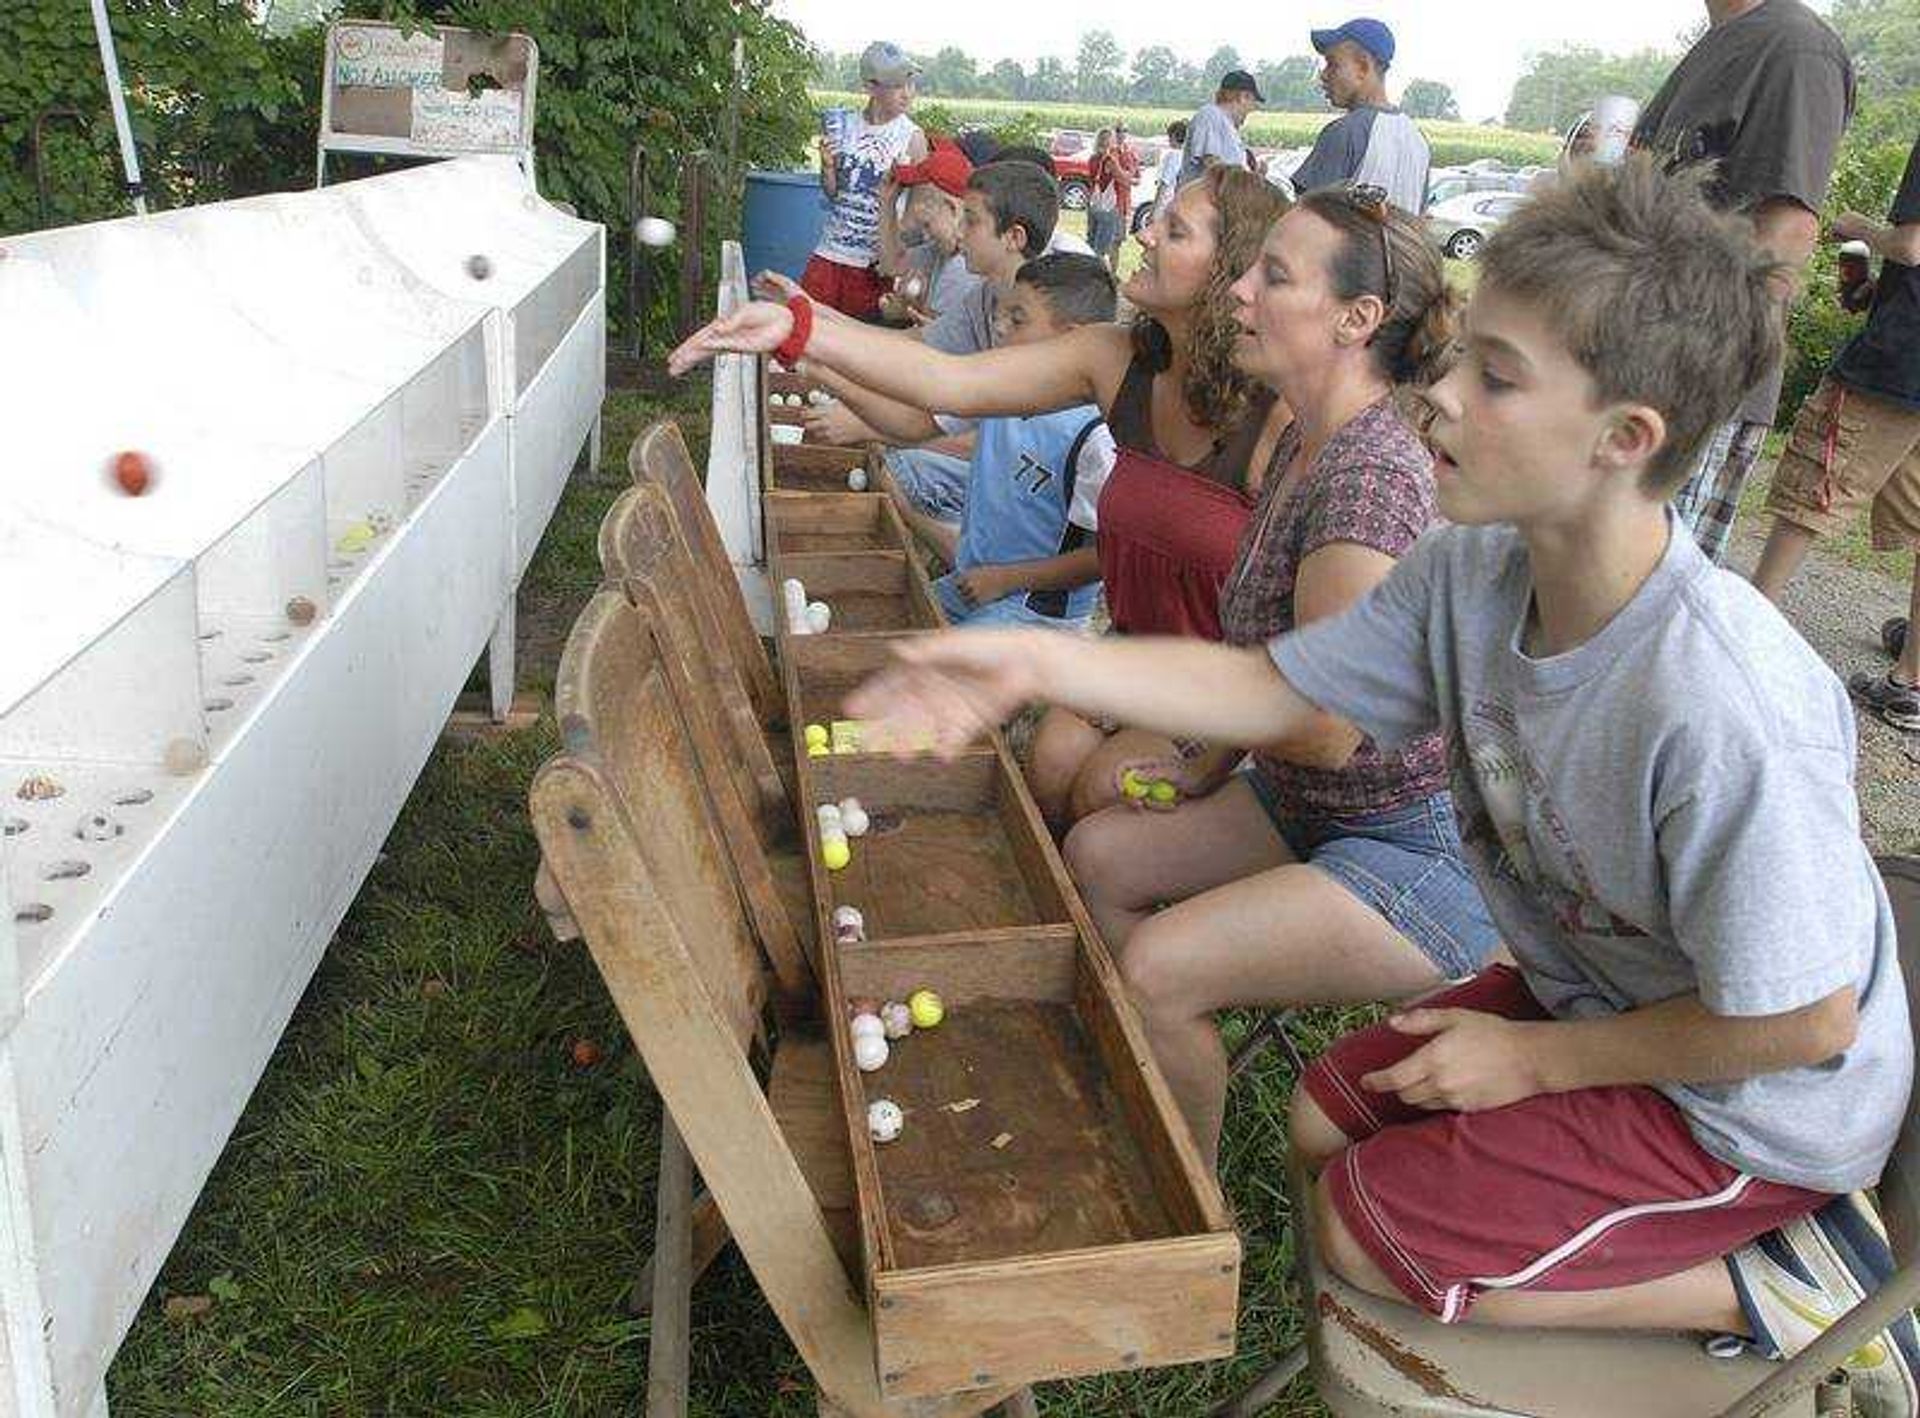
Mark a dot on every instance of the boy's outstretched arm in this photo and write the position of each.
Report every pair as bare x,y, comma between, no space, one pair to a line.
888,419
1025,379
945,689
1475,1061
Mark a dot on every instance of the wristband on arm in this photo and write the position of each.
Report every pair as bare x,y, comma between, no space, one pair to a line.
795,345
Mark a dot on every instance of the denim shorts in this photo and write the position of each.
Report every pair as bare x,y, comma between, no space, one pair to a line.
1008,610
936,483
1405,864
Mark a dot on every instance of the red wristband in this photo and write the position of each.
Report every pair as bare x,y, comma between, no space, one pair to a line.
795,344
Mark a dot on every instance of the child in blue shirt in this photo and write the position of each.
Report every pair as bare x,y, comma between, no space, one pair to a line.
1025,554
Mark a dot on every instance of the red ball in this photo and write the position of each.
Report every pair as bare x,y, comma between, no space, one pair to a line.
132,473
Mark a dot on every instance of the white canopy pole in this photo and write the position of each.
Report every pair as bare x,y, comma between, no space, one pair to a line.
111,65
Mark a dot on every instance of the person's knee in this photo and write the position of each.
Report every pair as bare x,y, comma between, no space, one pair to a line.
1099,856
1339,1251
1157,968
1311,1134
1054,759
1094,788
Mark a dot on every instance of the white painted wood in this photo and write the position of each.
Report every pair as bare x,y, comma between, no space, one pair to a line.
734,475
327,422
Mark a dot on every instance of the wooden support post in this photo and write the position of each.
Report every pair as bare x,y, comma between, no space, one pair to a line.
672,1278
710,1237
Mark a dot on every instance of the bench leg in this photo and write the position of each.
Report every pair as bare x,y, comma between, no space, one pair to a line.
672,1278
1266,1389
710,1237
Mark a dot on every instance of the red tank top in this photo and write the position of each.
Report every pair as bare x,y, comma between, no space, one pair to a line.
1170,535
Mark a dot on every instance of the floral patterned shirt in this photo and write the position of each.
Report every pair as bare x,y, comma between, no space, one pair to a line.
1372,485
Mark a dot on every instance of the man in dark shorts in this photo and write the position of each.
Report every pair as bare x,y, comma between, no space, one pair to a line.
1764,95
1857,440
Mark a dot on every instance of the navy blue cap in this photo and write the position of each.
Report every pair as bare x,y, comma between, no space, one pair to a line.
1370,35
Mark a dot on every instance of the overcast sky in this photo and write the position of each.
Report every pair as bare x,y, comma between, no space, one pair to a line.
1476,46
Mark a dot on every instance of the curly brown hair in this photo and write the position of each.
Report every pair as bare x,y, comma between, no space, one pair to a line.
1216,391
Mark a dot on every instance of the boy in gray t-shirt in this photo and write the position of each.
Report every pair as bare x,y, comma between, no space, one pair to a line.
1663,1117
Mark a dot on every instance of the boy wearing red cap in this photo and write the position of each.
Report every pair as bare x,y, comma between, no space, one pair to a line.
920,250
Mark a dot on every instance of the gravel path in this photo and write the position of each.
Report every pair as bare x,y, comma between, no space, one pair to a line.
1839,608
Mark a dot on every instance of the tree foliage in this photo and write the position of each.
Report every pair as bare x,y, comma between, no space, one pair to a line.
223,106
1883,36
1557,87
1427,98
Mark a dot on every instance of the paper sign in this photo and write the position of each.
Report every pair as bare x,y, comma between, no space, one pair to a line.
445,121
386,59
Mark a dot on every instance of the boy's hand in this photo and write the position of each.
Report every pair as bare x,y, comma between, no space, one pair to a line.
835,424
1472,1063
1190,777
776,286
944,690
758,328
983,585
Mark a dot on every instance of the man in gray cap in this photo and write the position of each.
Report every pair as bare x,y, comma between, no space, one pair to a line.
858,149
1213,136
1372,144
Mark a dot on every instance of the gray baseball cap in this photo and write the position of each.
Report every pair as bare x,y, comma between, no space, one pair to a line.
887,63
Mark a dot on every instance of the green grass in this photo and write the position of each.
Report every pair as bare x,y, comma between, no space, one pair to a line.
427,1208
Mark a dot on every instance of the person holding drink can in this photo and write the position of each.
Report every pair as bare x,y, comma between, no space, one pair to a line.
857,151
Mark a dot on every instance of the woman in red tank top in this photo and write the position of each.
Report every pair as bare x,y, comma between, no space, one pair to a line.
1195,433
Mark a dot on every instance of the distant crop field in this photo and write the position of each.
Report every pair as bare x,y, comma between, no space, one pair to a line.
1451,142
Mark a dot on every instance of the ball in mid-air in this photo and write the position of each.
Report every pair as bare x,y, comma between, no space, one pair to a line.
654,231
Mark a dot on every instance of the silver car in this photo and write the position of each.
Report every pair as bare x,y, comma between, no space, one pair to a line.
1461,225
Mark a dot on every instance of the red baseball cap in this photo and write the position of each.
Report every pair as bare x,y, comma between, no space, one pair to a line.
946,167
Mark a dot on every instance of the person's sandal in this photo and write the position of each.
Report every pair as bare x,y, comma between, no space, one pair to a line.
1896,703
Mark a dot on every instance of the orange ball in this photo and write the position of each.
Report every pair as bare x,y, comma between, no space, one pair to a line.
132,472
585,1053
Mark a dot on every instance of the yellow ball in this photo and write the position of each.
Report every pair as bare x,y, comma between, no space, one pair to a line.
816,735
815,750
1163,792
1133,785
926,1009
835,853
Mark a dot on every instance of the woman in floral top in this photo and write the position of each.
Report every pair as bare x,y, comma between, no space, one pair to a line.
1326,869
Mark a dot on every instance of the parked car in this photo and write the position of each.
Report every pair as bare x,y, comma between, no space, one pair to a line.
1446,183
1462,224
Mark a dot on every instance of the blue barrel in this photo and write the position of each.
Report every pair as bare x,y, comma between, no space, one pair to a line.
781,223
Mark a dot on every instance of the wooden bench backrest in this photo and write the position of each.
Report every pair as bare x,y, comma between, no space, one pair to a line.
645,549
618,709
646,558
659,456
627,829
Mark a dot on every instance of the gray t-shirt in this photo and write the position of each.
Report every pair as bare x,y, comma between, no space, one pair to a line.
1381,147
948,280
1766,98
1210,134
966,327
1667,809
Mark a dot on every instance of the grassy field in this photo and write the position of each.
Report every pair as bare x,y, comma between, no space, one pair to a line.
428,1208
1452,142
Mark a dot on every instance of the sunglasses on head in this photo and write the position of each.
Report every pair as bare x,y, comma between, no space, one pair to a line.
1372,199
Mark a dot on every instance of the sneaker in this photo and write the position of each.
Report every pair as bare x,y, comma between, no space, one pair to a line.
1897,703
1893,636
1794,1282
